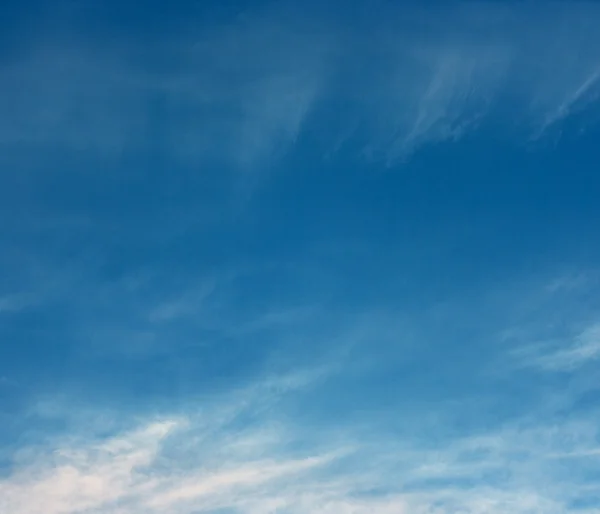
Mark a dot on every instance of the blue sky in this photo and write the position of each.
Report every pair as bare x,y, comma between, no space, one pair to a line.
288,257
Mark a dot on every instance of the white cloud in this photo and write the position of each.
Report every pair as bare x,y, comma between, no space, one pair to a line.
571,282
244,92
553,326
238,96
566,356
274,113
75,479
583,94
130,474
236,455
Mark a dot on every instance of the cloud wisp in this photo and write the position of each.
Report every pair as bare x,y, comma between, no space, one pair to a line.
234,455
565,356
245,93
340,344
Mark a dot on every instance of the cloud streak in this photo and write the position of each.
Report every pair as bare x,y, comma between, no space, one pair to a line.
245,93
583,349
207,460
258,363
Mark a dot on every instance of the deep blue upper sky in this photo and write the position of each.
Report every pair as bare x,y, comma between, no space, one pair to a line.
278,257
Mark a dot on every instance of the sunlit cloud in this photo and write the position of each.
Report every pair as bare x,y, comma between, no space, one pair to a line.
206,461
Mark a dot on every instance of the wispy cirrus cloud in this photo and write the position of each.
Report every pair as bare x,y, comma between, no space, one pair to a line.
233,455
234,96
581,96
245,92
435,93
255,446
556,328
565,354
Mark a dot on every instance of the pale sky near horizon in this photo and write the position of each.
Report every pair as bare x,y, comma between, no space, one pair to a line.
299,257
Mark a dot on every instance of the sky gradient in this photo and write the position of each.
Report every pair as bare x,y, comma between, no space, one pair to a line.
283,257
